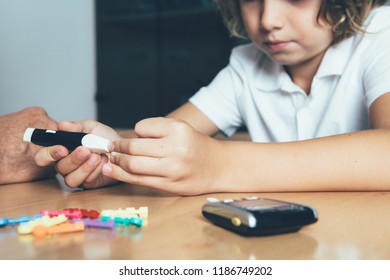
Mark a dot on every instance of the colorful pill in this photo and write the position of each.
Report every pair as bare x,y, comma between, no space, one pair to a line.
97,223
135,221
3,222
105,218
92,214
53,213
141,212
23,219
40,231
118,220
75,213
27,228
126,213
72,213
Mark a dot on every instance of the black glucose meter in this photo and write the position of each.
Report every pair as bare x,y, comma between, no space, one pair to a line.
256,216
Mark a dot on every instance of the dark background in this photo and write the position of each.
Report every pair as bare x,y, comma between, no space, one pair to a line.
152,55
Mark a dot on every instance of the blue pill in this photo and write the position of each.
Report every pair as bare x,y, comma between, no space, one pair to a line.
21,219
3,222
136,221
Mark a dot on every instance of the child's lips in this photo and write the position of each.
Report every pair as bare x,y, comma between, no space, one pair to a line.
276,45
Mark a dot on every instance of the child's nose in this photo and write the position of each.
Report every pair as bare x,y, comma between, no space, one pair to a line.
271,15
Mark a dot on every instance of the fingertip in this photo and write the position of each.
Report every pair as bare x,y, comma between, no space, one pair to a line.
63,123
94,159
107,169
104,158
48,155
152,127
82,153
70,126
112,157
58,152
111,146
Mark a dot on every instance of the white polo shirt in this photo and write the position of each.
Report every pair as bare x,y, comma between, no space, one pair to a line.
256,92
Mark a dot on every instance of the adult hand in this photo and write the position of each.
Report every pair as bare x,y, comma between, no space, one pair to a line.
16,156
169,155
81,167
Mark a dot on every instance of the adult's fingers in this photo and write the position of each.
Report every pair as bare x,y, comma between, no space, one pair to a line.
70,126
70,163
49,155
96,179
86,171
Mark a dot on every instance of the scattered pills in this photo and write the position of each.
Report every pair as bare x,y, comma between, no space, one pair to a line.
50,222
27,228
126,213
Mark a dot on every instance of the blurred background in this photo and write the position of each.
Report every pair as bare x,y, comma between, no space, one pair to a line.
117,61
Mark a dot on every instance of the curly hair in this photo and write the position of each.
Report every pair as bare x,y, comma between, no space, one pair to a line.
345,16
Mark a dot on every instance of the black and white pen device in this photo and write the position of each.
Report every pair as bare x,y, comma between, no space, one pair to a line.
71,140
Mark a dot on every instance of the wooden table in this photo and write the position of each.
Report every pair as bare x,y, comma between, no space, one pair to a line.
353,225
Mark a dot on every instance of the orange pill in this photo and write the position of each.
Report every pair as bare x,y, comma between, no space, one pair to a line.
64,228
40,231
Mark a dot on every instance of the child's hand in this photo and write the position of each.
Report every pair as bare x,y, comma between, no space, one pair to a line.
80,167
169,155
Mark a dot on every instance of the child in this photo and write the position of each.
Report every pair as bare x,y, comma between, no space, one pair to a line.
312,89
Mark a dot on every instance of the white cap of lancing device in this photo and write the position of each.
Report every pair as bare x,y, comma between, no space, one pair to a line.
71,140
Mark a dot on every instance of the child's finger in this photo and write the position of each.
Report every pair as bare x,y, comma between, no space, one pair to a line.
142,165
116,172
152,127
160,127
141,147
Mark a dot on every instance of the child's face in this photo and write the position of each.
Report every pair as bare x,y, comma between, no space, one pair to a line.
287,30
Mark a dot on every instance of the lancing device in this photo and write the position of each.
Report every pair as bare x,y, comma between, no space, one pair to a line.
71,140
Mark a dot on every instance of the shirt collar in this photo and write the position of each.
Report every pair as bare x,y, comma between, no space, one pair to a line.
268,75
335,59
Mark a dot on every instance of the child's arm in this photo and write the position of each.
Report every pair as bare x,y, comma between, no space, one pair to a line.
176,158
